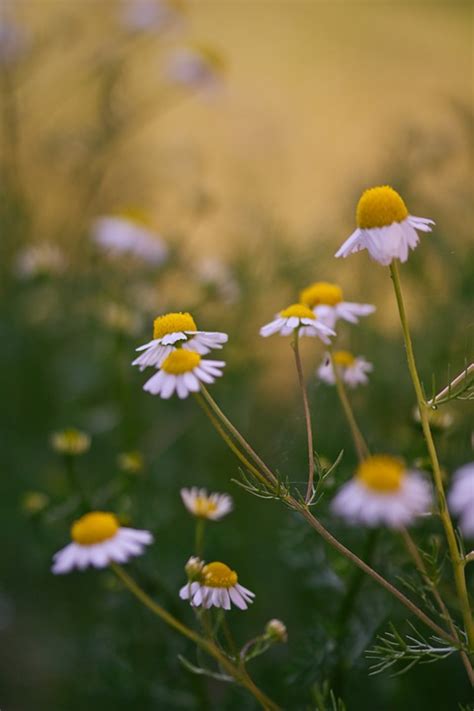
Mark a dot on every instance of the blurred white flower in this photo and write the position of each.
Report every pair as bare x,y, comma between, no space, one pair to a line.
150,15
353,370
129,234
183,371
297,317
120,318
383,493
98,540
71,442
177,330
44,259
13,40
461,498
200,504
384,227
195,67
215,274
219,587
326,300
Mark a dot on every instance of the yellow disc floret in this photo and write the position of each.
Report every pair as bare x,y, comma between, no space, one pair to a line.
136,215
94,527
203,506
321,292
381,473
343,358
173,323
219,575
380,207
181,361
298,310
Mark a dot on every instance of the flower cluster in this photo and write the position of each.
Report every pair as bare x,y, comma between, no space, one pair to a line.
176,353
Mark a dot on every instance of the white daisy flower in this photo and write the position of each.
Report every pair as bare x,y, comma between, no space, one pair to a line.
40,260
297,317
218,586
326,300
150,15
98,540
183,371
195,67
384,227
353,370
202,505
131,234
461,498
177,330
383,493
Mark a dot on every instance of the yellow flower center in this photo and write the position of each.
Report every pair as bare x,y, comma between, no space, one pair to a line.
219,575
94,527
180,361
204,506
343,358
298,310
136,215
382,473
379,207
321,292
173,323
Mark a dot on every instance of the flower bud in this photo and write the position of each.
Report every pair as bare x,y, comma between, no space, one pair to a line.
194,568
71,442
276,629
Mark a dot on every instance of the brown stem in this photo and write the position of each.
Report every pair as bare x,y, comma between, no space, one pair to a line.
307,417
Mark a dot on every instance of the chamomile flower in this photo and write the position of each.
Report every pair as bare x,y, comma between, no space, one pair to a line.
71,442
98,540
461,498
217,586
195,67
353,370
326,300
176,330
297,317
150,15
44,259
183,371
384,227
130,233
200,504
383,493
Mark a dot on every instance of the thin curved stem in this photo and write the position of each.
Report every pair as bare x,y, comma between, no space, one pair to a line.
456,556
240,439
420,565
307,417
357,436
206,645
303,510
232,446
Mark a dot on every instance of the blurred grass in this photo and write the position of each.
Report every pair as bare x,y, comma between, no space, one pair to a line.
320,100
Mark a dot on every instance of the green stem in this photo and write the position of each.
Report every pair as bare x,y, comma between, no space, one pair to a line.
241,457
359,441
307,417
272,479
421,567
456,556
204,644
303,510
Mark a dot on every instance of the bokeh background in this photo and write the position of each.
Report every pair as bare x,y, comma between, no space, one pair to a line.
241,134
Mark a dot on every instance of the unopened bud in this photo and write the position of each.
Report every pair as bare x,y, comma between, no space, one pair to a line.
194,568
277,630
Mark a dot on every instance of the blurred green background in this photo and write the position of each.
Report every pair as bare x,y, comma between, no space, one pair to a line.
248,167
